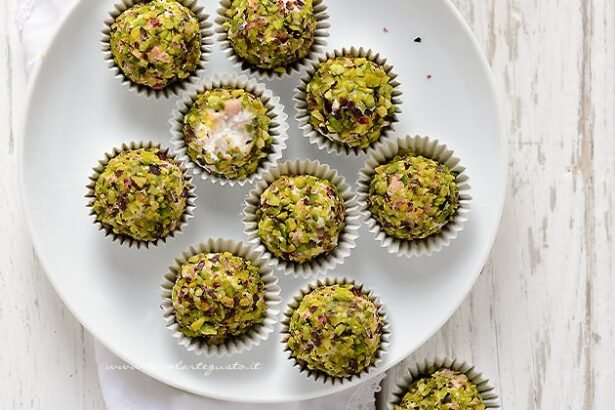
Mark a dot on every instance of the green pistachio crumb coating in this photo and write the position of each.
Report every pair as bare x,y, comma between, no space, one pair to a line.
141,194
413,197
218,296
271,34
444,389
156,43
335,330
350,100
227,132
300,217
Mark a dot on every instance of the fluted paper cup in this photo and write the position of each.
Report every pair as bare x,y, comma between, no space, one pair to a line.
124,239
275,111
176,87
348,236
321,376
321,34
237,344
432,149
419,370
302,116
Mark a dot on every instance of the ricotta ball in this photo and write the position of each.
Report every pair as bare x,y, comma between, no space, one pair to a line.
156,43
271,34
413,197
300,217
141,194
336,330
218,296
227,132
443,389
350,101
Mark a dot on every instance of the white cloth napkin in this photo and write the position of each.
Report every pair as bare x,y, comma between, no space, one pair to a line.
130,389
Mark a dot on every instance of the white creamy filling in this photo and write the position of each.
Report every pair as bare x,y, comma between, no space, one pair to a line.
229,137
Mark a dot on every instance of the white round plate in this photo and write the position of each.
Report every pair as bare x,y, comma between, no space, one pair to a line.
77,111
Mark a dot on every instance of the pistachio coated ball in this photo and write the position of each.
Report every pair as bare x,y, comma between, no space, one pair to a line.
156,43
300,217
350,100
336,329
141,194
271,34
443,389
227,132
218,296
413,197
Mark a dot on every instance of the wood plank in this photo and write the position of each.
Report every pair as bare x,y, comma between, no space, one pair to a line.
46,360
537,322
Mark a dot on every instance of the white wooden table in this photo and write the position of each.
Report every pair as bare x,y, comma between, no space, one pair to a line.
540,321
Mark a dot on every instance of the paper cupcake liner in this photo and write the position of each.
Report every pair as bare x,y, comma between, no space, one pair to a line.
236,344
348,236
428,148
485,388
321,376
176,87
303,115
321,33
278,127
127,240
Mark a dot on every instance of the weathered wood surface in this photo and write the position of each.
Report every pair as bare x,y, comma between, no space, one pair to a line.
46,357
540,322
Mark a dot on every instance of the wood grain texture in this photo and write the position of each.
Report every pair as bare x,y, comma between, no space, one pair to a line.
539,322
46,357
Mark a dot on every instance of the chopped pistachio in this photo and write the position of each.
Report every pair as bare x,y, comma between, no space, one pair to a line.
218,296
300,217
443,389
350,100
271,34
336,330
413,197
227,132
141,194
156,43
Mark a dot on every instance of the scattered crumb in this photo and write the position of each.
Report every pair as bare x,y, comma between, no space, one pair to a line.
386,30
418,40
